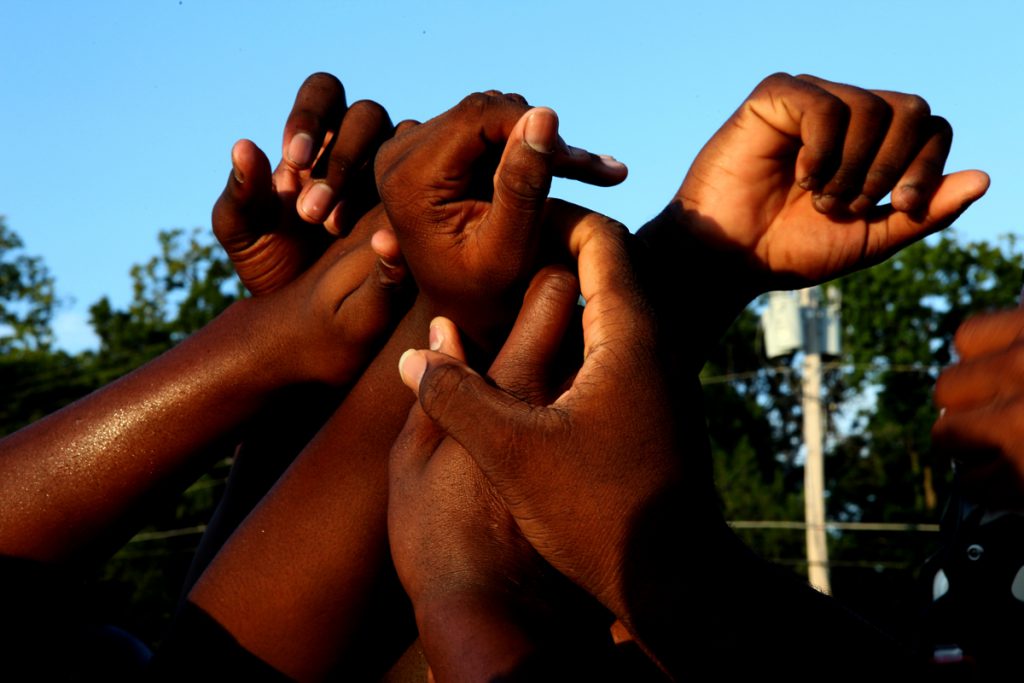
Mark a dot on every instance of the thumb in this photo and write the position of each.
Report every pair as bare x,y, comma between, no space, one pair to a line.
955,194
521,184
489,423
247,199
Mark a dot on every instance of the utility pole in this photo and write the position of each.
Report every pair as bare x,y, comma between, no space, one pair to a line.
796,322
814,436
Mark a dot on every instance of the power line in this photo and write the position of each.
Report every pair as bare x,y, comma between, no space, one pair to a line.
885,527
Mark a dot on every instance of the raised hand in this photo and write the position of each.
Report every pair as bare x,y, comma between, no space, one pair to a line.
486,603
465,193
789,186
273,225
577,473
982,400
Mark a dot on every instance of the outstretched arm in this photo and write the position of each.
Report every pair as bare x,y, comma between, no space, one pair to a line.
67,481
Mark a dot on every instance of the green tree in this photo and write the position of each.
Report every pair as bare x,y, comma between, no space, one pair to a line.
27,299
899,319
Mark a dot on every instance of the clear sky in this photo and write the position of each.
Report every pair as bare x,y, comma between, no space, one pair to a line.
117,118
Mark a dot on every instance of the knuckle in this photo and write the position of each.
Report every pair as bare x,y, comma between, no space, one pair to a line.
874,108
440,387
914,106
370,111
941,127
474,104
772,82
322,79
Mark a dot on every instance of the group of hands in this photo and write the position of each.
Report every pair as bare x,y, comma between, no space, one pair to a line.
539,469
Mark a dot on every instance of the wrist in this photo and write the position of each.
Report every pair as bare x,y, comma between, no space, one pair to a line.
697,288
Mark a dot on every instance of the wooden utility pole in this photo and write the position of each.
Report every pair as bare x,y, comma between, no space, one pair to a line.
814,465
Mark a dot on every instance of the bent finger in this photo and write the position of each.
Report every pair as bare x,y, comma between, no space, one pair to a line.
317,112
911,127
924,175
345,185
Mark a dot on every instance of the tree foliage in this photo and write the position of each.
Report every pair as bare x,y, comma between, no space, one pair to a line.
899,319
27,298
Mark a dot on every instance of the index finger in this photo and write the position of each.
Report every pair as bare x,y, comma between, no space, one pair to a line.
615,311
317,112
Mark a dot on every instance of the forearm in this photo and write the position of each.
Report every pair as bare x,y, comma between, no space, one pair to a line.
68,477
696,290
301,580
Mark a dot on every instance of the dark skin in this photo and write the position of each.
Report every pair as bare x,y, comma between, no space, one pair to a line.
271,233
783,195
786,195
320,536
72,479
620,525
981,402
472,243
274,224
486,604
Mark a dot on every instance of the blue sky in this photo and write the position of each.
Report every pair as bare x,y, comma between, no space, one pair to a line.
118,117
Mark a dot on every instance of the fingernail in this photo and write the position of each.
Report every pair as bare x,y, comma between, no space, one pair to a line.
237,173
910,196
300,150
541,130
436,337
611,162
860,204
411,367
317,200
825,202
808,183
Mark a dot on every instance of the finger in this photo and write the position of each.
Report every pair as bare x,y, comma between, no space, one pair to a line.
318,110
890,230
405,125
989,332
487,422
576,163
910,128
247,199
802,111
923,177
869,120
412,448
525,365
982,380
444,338
521,185
615,310
347,169
374,298
985,434
443,154
390,262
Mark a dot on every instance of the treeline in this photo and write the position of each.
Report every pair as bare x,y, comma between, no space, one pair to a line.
898,323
